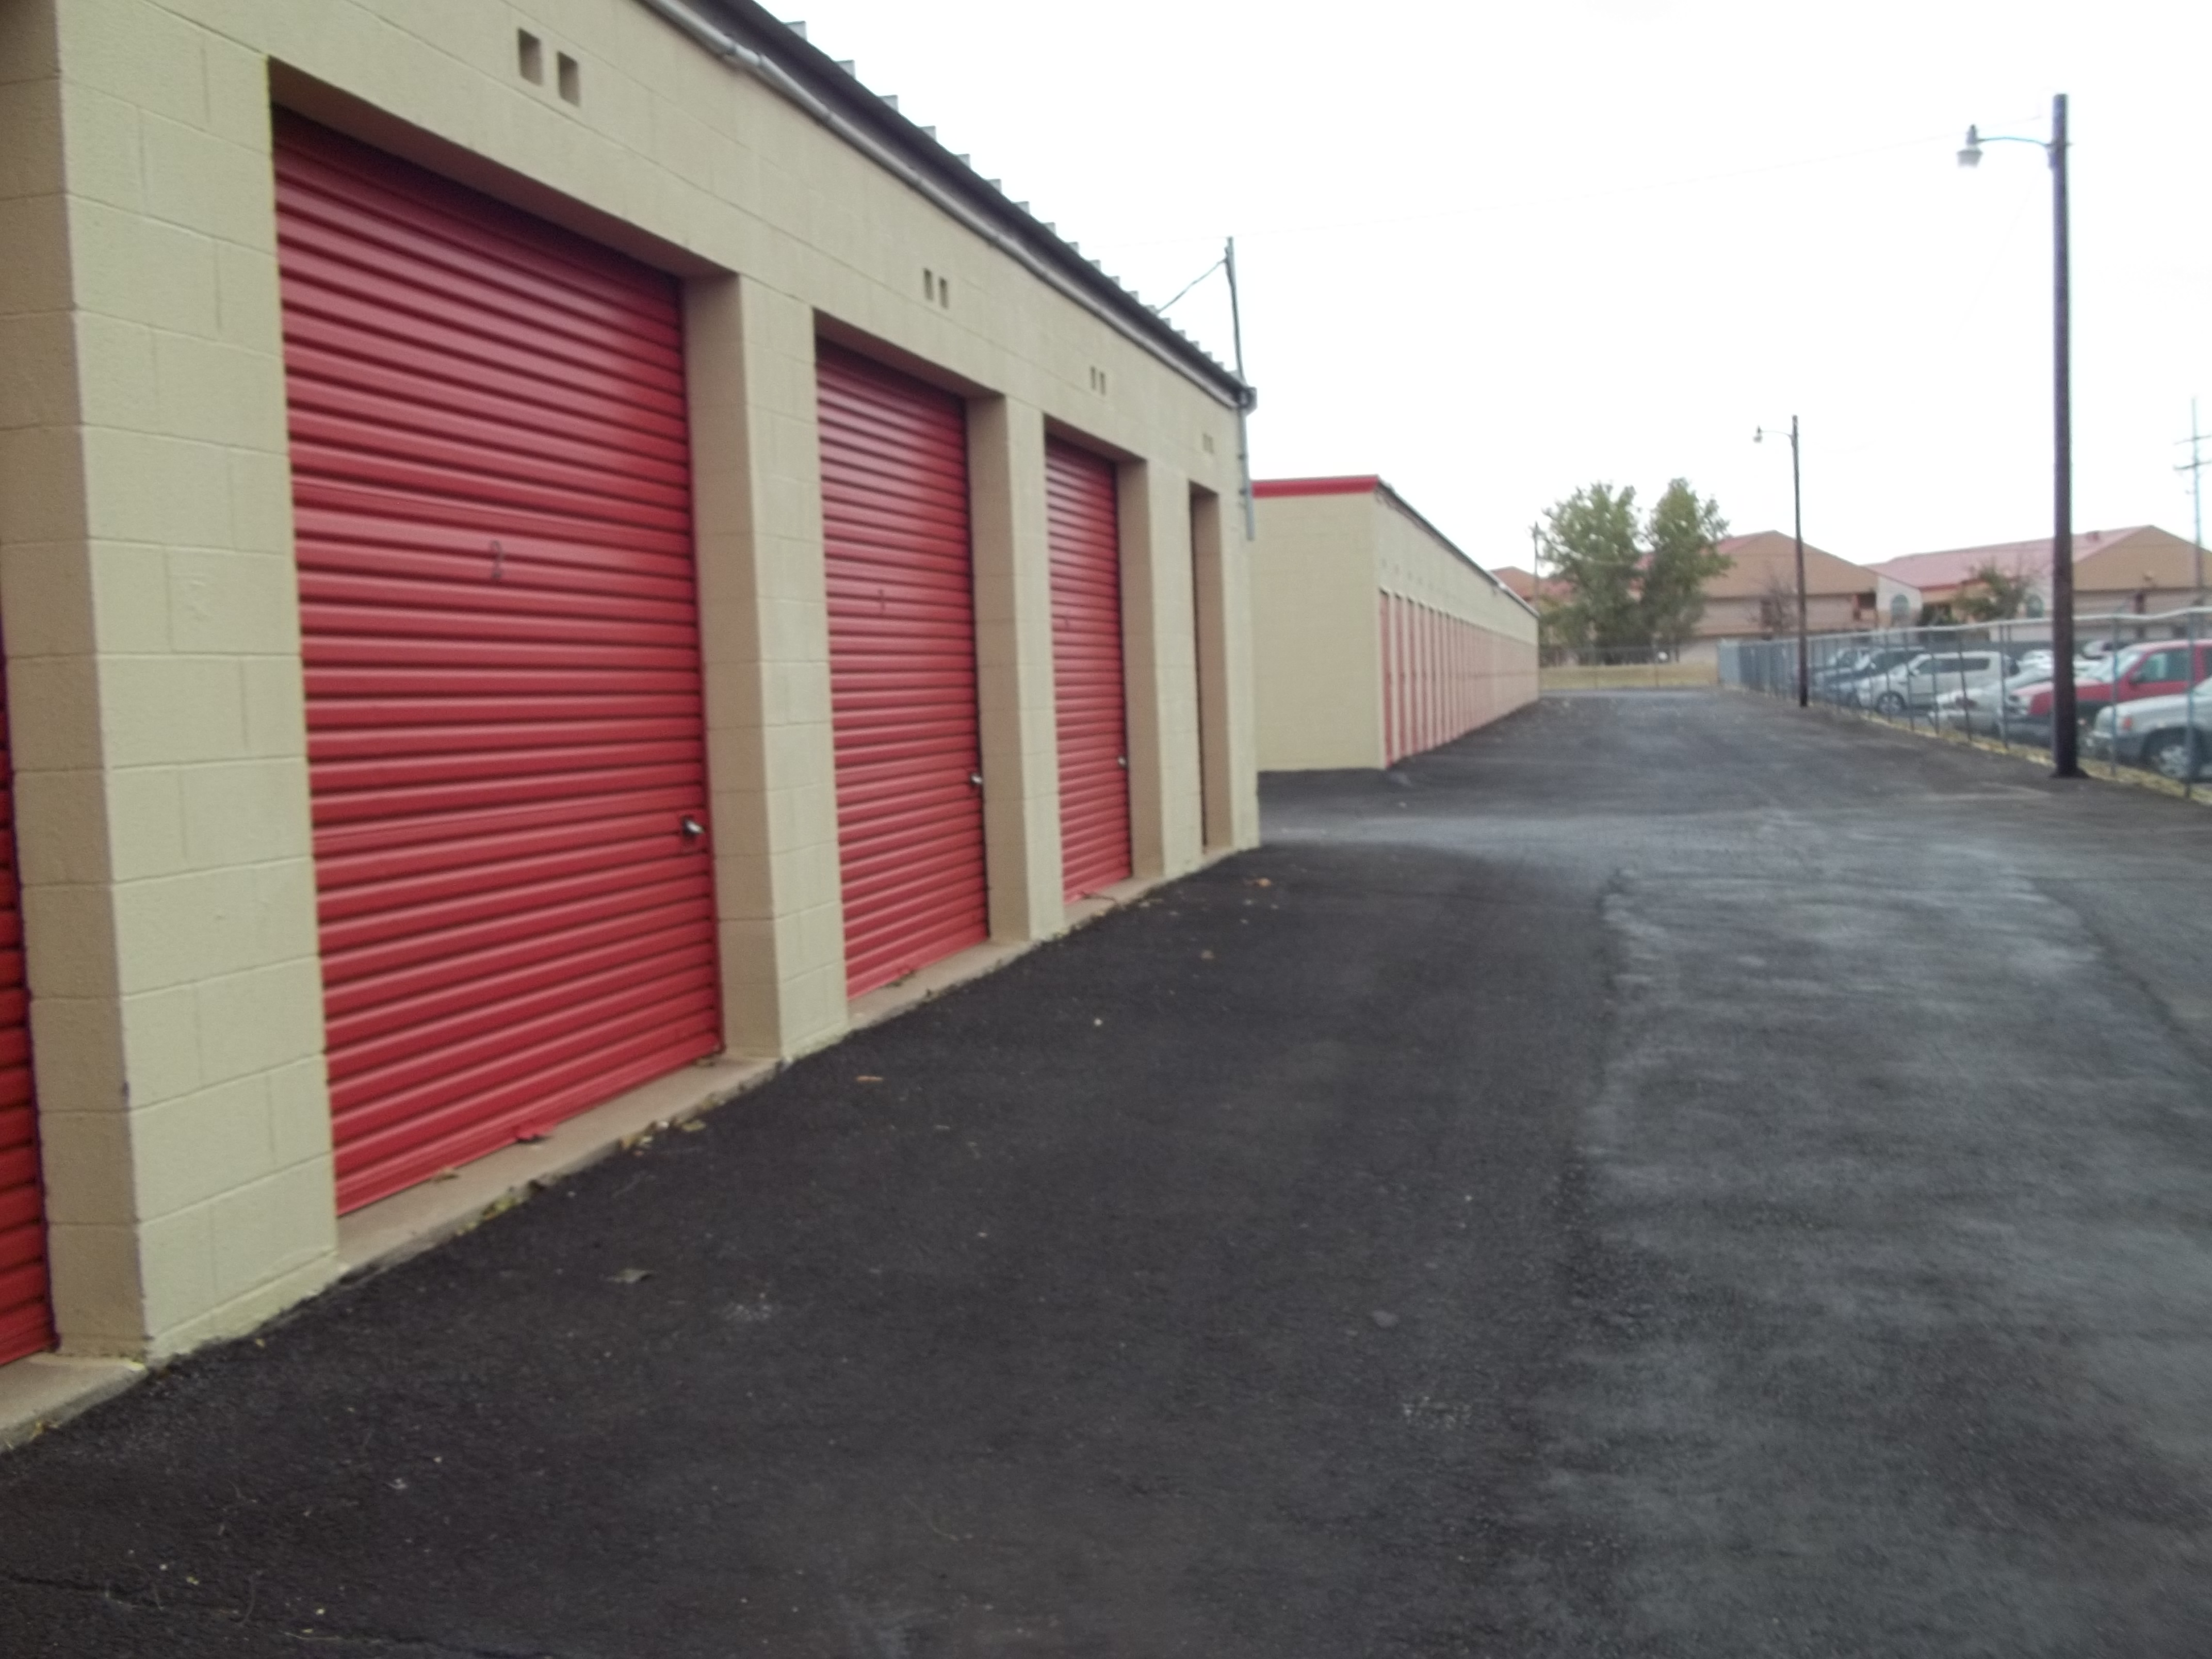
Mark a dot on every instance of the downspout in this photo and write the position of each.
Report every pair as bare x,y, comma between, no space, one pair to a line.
778,80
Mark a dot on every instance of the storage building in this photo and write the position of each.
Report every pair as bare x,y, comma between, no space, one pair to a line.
1374,637
547,550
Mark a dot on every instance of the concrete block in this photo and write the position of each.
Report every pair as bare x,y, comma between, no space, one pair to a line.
116,380
237,76
85,1162
172,710
40,386
35,275
53,713
30,139
216,392
145,55
244,811
276,708
142,270
143,823
266,1230
30,49
259,1020
249,311
99,1288
261,498
187,1151
141,486
130,598
177,1269
41,482
45,600
77,1055
300,1112
162,1055
233,604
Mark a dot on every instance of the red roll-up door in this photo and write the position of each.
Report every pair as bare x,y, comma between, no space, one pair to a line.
26,1326
491,490
902,668
1089,691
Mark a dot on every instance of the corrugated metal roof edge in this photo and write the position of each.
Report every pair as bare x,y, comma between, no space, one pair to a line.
762,32
1355,483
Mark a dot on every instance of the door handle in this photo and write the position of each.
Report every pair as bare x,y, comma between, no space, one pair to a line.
692,829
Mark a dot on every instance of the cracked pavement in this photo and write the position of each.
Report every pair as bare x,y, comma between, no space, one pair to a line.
1666,1175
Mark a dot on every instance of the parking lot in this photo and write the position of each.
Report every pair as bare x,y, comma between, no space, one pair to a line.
1664,1176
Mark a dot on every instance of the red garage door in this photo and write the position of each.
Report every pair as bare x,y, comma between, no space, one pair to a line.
902,668
492,495
25,1327
1089,689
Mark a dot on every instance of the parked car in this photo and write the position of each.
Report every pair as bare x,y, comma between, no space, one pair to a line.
2172,735
1840,680
2154,669
1981,708
1918,683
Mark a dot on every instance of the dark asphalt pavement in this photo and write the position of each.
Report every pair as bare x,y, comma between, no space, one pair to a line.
1668,1176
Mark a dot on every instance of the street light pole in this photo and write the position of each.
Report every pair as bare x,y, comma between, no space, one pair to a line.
1798,527
1798,530
2065,737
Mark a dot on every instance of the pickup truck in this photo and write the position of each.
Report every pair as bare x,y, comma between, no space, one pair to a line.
2170,735
2159,669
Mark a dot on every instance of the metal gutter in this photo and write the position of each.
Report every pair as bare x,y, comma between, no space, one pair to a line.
863,120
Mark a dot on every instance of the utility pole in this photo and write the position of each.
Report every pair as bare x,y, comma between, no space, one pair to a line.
1798,515
2065,744
1244,391
2065,735
2194,466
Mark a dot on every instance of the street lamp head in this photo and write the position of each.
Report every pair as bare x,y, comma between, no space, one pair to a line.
1972,156
1758,435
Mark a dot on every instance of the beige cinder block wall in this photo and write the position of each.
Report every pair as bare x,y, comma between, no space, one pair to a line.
1321,564
1316,632
149,594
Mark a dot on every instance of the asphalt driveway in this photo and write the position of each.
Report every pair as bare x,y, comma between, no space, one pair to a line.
1668,1176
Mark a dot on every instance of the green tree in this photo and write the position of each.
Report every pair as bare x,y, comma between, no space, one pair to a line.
1993,595
1590,540
1681,540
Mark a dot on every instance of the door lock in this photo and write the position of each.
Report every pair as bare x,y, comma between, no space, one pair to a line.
692,828
1121,760
975,780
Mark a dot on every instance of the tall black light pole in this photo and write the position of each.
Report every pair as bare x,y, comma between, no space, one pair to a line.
1797,522
2065,738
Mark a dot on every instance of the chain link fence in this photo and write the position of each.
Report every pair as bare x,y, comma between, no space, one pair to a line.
2143,699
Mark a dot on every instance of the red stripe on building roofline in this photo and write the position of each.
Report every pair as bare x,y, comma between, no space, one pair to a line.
1364,485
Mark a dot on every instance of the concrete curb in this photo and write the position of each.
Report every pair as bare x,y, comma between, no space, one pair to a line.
47,1389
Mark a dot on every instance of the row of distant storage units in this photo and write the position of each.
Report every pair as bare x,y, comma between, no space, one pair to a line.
509,655
1374,637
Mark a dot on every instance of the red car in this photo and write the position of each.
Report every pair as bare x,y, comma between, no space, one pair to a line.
2155,669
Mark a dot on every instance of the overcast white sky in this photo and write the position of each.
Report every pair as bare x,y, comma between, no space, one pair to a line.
1494,251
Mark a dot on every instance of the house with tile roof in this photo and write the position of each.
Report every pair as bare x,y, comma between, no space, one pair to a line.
2140,569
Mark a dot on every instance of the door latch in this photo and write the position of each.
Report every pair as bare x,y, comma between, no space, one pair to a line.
975,780
1121,760
692,828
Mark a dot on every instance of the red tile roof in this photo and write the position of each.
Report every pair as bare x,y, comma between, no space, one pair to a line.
1957,565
